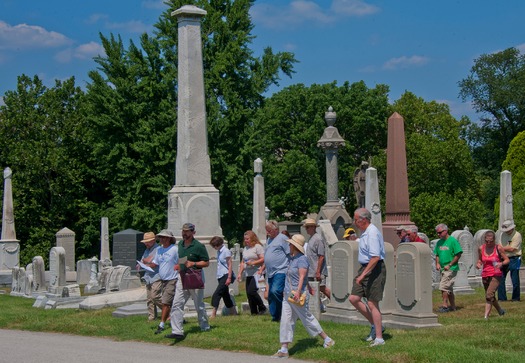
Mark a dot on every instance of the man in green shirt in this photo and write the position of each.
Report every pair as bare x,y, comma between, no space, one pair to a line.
197,258
448,252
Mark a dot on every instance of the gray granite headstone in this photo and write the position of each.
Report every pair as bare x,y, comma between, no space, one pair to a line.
127,248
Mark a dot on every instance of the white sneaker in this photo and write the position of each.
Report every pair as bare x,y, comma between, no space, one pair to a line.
329,344
377,342
280,354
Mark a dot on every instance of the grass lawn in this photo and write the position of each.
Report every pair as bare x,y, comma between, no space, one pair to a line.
463,337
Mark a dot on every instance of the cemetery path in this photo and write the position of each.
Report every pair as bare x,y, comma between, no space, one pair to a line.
27,346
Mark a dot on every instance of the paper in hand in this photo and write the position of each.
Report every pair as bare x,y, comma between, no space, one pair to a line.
145,267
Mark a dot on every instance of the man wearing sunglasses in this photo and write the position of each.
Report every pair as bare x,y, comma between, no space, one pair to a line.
448,252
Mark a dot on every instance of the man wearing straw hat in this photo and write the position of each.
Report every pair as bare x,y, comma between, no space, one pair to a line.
510,240
152,278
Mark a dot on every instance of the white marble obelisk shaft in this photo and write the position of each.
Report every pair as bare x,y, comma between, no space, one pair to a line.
104,239
259,203
8,215
506,210
372,201
193,198
9,246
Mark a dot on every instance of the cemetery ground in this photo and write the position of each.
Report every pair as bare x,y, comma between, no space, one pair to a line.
463,337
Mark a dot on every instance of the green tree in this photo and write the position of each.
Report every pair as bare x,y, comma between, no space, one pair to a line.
43,141
496,85
131,108
286,131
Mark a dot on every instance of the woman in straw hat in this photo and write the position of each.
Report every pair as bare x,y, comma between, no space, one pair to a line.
297,281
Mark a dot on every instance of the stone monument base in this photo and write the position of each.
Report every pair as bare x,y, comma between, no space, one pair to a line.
399,320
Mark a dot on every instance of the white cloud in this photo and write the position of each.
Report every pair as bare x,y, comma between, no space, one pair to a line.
405,62
132,26
83,51
353,7
23,36
298,12
154,4
521,48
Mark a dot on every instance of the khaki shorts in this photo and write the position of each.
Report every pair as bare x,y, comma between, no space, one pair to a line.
168,291
447,281
373,285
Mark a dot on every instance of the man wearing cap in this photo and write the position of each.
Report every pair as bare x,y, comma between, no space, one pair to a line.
510,240
276,265
350,234
152,278
402,234
448,252
197,258
166,259
371,277
315,253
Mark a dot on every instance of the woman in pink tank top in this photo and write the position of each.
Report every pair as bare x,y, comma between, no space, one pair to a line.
491,257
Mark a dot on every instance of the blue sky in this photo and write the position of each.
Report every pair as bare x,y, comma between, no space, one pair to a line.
422,46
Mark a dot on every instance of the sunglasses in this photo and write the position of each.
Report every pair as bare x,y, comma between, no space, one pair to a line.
439,232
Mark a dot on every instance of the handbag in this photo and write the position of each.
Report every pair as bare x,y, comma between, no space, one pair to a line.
291,300
300,302
192,279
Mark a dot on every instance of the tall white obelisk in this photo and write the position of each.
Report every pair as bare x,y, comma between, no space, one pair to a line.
193,198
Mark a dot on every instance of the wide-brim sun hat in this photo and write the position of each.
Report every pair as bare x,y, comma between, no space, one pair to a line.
298,241
166,233
508,225
310,222
148,237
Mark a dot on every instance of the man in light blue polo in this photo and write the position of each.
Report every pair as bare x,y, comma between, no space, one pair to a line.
167,259
371,277
276,264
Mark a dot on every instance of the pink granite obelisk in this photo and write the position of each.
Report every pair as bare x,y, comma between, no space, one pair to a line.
397,209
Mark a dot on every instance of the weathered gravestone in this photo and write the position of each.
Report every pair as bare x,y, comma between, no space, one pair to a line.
66,238
344,266
413,288
466,240
57,276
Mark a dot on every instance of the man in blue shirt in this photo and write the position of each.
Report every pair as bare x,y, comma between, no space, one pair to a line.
167,259
371,277
276,264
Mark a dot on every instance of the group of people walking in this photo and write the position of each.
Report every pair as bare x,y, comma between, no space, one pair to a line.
289,265
164,265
